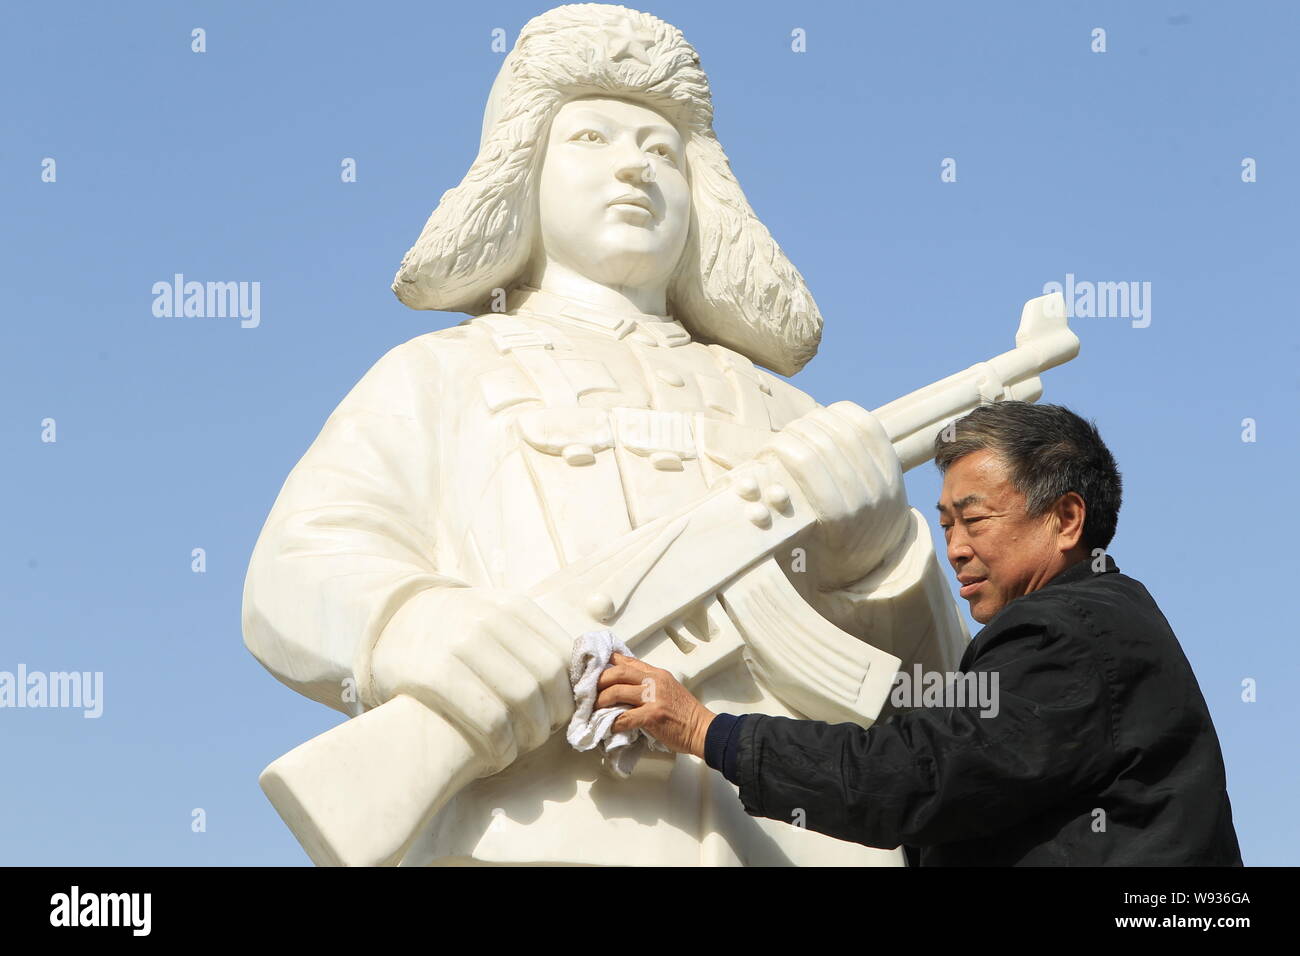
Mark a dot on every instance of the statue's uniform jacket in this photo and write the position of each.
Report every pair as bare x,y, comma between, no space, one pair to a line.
496,452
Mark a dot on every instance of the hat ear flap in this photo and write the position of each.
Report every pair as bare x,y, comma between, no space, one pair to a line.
736,286
479,238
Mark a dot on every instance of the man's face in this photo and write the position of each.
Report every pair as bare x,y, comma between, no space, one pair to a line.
599,215
998,552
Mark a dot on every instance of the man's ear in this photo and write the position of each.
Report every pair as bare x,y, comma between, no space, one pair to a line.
1070,511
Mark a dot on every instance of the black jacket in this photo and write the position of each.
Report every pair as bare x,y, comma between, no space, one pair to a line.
1102,751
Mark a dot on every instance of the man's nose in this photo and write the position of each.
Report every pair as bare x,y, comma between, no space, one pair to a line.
959,549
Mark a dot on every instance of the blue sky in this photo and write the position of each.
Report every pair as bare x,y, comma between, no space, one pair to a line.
175,434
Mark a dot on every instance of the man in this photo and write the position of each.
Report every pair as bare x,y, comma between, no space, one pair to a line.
1100,750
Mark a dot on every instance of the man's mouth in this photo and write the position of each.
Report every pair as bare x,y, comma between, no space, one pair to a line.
968,589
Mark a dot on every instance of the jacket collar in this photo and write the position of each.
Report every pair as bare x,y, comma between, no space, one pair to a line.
652,330
1082,570
1079,571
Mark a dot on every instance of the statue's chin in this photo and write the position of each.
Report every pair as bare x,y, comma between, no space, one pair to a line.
625,269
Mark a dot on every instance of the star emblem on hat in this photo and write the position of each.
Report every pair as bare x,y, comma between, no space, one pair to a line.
625,40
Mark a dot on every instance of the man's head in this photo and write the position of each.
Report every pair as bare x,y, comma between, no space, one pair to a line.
1028,490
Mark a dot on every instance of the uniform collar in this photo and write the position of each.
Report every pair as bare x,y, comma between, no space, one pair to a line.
645,329
1082,570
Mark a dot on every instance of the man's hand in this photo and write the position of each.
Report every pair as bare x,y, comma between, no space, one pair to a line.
491,660
661,706
846,465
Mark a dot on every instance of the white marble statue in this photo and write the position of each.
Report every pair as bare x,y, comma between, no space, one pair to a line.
596,447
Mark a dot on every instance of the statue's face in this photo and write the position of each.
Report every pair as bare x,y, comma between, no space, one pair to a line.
599,216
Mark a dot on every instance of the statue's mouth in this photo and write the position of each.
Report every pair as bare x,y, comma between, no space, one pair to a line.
639,201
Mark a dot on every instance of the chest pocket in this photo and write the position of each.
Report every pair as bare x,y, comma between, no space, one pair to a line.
666,439
568,451
573,433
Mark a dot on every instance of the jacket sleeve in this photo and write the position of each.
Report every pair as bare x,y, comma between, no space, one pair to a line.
941,774
348,543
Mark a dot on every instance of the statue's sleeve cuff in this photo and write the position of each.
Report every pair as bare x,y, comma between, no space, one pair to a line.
416,611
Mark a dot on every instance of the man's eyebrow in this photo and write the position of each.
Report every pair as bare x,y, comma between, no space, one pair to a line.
962,502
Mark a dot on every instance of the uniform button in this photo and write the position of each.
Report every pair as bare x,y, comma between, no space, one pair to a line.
777,497
601,607
666,461
669,377
578,455
747,488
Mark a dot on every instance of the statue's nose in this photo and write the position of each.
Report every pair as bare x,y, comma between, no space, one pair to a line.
635,170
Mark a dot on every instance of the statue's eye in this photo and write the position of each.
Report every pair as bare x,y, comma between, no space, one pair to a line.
665,151
587,136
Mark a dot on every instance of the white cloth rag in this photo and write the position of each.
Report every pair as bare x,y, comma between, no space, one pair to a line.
589,727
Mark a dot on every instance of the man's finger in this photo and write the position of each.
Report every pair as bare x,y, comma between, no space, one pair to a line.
617,694
628,720
618,674
623,674
627,669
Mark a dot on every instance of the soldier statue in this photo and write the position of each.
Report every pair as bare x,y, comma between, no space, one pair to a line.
625,306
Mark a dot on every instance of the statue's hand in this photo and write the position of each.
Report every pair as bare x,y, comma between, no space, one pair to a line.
846,466
489,660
